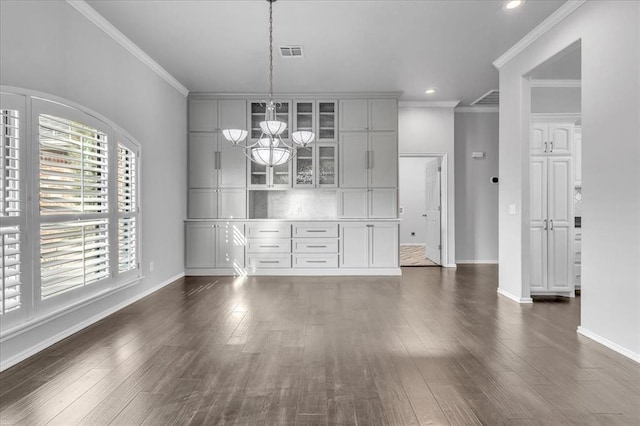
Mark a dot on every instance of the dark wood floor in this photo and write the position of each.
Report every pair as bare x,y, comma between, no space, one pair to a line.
435,346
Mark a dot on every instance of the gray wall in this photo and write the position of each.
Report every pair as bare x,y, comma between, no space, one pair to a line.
48,46
555,100
429,130
476,196
610,43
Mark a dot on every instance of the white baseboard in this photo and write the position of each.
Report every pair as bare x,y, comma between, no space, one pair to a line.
477,262
6,363
303,272
450,265
514,298
609,344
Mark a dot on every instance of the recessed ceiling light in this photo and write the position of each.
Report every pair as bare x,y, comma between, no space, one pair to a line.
430,91
512,4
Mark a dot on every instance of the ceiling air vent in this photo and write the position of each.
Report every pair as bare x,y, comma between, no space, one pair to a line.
491,98
291,51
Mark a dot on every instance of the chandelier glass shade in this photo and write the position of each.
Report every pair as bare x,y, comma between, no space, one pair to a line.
269,149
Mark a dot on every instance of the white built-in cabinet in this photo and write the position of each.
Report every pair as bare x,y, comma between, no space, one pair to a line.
551,213
214,245
216,170
369,245
355,154
551,137
368,172
577,156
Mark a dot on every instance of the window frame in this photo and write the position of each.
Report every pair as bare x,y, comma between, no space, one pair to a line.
34,309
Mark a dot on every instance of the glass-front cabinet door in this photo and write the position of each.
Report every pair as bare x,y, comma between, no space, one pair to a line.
327,123
326,165
257,110
263,177
315,166
303,116
304,167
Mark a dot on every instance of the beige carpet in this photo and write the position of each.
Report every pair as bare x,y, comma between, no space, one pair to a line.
414,256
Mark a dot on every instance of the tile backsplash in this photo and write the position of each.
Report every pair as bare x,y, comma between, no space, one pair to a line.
293,204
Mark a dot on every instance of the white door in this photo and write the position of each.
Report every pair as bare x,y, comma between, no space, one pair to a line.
432,211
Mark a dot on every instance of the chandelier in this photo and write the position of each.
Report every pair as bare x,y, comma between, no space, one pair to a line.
270,149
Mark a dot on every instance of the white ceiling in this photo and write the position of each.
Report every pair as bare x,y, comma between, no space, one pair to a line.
349,46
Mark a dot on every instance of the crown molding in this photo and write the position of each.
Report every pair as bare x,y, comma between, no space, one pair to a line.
428,104
477,109
92,15
554,19
555,83
295,95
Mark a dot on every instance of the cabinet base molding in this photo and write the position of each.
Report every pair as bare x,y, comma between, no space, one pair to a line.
297,272
514,298
608,343
567,293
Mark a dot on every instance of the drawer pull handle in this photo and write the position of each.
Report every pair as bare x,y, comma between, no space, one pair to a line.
316,230
316,261
271,246
269,261
268,230
317,246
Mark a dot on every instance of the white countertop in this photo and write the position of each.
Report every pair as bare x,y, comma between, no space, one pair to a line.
295,220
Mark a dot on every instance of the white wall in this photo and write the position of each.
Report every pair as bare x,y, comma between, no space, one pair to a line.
555,100
431,130
476,196
610,40
48,46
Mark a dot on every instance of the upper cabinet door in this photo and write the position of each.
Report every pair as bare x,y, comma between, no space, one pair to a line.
231,164
560,138
203,115
539,139
383,114
232,114
353,115
383,203
327,121
560,187
353,160
202,156
383,160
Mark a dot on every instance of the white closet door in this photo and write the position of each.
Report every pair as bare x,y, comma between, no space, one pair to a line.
538,138
560,138
560,216
538,216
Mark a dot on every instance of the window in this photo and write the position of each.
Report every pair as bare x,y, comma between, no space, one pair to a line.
127,207
77,236
11,210
74,205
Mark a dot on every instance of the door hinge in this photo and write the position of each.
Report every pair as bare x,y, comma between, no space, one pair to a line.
439,168
439,208
439,247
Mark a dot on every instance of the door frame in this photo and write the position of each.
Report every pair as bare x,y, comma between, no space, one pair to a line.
444,201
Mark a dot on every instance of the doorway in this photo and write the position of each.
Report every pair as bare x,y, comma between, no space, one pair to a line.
421,209
555,177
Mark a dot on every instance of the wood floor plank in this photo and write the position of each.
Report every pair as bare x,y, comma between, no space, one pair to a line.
433,347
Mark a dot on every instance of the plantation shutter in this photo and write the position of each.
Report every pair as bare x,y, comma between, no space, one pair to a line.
11,211
127,209
74,228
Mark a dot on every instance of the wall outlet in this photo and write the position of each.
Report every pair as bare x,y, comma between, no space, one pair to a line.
151,266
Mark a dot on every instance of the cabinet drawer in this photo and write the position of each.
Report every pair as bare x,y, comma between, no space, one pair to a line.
269,245
266,230
315,229
315,245
263,261
315,260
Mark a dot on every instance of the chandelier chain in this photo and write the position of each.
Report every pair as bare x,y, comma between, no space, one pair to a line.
270,50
